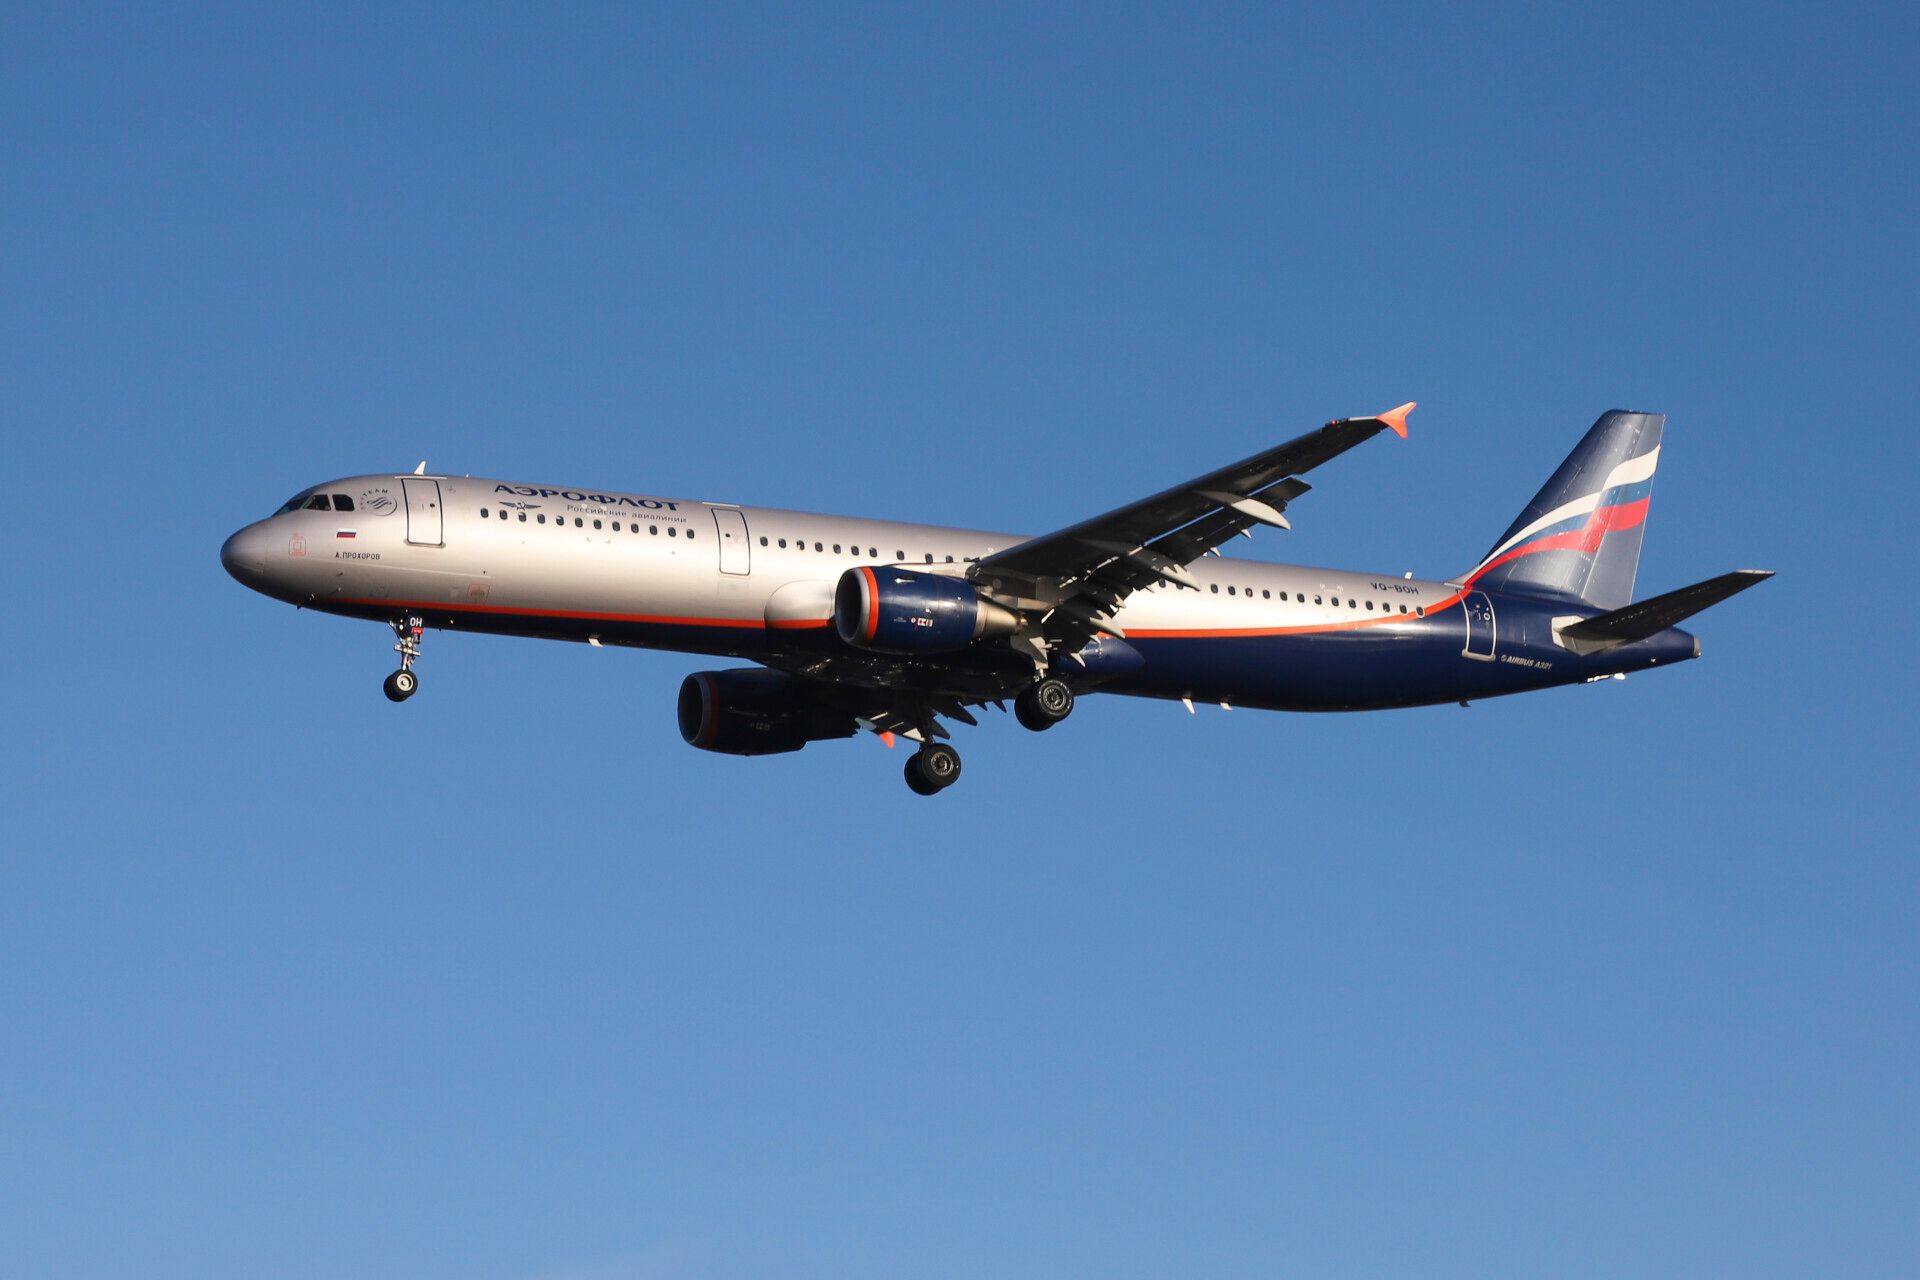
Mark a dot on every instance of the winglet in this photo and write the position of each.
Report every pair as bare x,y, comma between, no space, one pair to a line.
1397,418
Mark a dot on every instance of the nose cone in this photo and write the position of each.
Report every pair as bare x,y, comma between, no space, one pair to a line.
244,555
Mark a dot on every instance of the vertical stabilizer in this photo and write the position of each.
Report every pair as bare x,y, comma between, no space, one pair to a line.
1580,536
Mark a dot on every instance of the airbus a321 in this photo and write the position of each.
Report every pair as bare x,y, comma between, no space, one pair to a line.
860,625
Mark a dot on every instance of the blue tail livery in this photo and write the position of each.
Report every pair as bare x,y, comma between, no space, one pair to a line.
899,629
1579,539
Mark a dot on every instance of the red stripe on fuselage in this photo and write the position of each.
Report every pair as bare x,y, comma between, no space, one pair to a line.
817,624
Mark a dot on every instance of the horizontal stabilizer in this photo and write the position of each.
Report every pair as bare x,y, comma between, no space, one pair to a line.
1652,616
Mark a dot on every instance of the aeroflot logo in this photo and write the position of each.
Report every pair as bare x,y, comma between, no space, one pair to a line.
574,495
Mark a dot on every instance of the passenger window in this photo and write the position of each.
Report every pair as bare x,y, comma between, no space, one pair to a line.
836,548
483,513
949,559
1369,606
654,529
542,518
596,524
873,553
318,502
783,544
672,532
763,539
929,557
1350,603
818,547
1316,599
523,517
1265,594
899,555
689,534
1230,591
616,529
341,502
1215,588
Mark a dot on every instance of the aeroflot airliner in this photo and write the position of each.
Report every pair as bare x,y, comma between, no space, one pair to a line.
867,625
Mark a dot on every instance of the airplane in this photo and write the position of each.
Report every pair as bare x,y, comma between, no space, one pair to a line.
860,625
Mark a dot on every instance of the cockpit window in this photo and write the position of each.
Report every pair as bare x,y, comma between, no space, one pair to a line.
318,502
341,502
293,503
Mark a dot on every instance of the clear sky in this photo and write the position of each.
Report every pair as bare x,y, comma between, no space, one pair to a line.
509,982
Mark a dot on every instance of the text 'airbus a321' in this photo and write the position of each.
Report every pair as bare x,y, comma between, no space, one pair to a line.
861,624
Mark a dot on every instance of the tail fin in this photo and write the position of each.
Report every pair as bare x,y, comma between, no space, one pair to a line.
1580,536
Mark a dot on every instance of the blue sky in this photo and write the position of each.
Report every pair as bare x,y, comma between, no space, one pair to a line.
511,983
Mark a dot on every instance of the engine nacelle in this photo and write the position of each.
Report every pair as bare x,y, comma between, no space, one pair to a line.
755,712
900,611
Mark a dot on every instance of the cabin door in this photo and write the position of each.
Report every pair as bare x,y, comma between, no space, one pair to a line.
424,523
735,555
1480,627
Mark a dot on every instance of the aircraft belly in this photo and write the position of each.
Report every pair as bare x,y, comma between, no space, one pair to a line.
1325,661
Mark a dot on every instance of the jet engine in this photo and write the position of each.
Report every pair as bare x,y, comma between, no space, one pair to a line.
900,611
755,712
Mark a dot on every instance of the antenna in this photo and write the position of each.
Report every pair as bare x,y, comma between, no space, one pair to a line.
421,469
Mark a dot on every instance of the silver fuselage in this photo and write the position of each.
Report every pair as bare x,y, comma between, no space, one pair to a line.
601,566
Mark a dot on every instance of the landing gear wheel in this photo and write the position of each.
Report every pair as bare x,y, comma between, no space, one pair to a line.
933,768
1044,705
400,685
915,783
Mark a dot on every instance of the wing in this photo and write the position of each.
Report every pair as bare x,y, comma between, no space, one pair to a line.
1081,573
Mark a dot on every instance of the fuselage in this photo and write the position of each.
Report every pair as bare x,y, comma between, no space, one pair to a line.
608,567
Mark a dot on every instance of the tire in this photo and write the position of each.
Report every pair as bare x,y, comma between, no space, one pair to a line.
1044,705
915,783
400,686
937,765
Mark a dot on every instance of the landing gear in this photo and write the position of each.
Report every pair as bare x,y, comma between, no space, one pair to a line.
401,684
1044,705
933,768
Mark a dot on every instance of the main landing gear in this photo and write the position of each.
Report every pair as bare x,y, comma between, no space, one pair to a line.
401,684
933,768
1044,704
936,766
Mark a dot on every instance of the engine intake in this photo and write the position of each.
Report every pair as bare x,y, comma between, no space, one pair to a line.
900,611
755,712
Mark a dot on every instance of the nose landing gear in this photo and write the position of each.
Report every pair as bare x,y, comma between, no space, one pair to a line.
401,684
